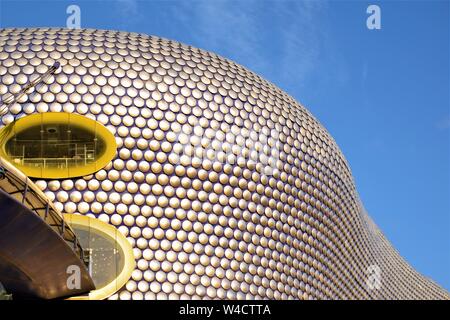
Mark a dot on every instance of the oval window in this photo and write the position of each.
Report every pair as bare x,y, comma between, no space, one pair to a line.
109,254
56,145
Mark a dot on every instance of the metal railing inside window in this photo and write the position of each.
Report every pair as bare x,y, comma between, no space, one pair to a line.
62,154
58,147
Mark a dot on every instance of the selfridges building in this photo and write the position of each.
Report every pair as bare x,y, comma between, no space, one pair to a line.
173,173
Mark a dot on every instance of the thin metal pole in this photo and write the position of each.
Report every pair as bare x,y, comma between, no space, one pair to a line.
25,192
63,226
47,208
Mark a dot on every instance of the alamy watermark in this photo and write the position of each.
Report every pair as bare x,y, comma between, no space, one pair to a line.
74,19
73,281
373,21
373,281
255,149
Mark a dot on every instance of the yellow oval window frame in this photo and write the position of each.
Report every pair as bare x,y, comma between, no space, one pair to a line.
7,132
111,232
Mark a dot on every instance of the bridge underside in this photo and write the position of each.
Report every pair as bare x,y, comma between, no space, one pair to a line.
36,247
33,257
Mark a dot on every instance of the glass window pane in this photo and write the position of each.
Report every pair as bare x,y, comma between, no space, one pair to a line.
106,258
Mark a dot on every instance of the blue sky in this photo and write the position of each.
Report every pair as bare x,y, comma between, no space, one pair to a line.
383,94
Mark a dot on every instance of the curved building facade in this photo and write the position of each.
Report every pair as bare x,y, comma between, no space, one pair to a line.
224,185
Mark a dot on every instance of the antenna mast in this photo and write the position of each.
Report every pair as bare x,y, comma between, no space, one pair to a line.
12,99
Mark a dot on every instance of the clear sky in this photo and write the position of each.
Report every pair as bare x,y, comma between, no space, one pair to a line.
382,94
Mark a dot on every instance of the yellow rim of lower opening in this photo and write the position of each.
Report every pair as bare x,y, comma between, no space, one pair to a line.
111,232
83,122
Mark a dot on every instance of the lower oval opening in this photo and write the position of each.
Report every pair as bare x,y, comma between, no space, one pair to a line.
109,254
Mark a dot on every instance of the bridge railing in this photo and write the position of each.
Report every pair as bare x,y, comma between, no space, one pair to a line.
18,185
